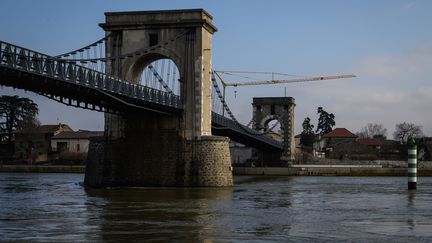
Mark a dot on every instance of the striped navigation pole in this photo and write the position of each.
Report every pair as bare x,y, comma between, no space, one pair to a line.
412,164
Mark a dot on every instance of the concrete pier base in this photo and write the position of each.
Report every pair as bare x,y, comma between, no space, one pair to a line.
210,162
198,163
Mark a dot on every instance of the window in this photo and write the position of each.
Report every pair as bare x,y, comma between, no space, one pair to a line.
153,39
258,107
78,147
62,147
272,109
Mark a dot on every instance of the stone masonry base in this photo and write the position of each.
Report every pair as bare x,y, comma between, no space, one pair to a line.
210,162
198,163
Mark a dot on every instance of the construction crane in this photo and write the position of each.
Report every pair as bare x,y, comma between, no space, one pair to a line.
276,81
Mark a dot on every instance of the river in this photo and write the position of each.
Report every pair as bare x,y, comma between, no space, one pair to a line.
56,208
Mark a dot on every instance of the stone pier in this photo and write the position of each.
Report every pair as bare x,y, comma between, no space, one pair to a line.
151,148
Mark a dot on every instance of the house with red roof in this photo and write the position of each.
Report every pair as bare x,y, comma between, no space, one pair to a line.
34,144
338,136
72,147
73,142
47,142
375,143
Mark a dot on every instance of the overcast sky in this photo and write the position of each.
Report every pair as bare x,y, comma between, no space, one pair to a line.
387,44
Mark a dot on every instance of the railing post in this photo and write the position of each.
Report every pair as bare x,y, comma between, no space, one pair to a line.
7,53
22,60
49,67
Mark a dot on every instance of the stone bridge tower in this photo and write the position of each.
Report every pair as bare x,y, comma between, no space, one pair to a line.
281,109
149,148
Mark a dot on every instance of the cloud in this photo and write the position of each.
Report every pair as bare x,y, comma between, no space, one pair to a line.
408,6
413,64
389,89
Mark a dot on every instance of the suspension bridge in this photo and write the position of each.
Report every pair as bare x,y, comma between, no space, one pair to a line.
68,82
152,77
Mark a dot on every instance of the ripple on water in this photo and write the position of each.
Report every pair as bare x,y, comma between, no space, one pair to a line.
54,207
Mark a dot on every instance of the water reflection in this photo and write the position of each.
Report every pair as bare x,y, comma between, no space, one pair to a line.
411,221
411,198
160,214
42,207
262,209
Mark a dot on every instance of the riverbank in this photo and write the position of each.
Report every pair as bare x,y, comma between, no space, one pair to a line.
327,170
43,168
295,170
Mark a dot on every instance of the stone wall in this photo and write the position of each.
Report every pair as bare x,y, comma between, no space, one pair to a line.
204,162
326,171
210,162
95,163
383,163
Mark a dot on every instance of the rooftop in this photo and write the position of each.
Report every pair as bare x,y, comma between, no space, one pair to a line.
45,129
82,134
340,133
370,141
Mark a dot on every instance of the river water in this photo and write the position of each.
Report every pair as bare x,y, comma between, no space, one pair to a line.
54,207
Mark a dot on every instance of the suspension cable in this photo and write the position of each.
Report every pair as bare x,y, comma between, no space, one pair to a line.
160,79
228,110
100,41
131,54
259,72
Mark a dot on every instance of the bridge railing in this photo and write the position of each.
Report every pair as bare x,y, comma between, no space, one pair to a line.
233,125
19,58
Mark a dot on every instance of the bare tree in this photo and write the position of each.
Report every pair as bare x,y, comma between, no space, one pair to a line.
372,130
405,130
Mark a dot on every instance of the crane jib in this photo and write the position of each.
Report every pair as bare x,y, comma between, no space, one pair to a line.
290,80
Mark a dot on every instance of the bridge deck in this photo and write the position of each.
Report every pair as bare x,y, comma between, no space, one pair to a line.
46,75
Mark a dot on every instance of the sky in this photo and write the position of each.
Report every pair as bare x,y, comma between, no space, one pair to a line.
387,44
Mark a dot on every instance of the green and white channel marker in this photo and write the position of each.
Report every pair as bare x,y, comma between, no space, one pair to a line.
412,164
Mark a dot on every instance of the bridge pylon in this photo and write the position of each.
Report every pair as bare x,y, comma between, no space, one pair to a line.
152,148
281,109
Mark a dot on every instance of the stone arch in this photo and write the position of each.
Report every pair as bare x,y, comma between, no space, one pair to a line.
135,66
267,119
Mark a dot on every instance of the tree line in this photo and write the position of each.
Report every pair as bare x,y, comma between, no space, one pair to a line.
17,113
403,131
326,121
